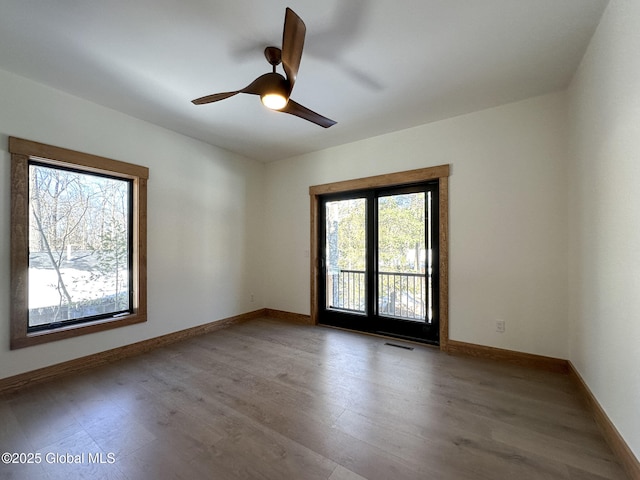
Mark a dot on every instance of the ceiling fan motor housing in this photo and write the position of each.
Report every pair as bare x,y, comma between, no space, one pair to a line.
275,85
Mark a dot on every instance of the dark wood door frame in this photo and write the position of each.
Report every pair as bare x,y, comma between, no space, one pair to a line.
441,173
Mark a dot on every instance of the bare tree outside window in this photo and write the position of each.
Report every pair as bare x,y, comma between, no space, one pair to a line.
79,245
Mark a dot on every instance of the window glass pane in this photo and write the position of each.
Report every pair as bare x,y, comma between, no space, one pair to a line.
79,246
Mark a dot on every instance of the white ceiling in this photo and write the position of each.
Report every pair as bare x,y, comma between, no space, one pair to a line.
374,66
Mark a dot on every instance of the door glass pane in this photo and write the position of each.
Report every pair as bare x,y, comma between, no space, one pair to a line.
403,257
346,255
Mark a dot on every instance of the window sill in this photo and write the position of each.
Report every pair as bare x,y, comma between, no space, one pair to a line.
70,331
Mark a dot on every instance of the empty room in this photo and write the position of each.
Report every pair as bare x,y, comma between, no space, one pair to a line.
336,240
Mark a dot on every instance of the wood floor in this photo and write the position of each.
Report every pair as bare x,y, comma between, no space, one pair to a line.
272,400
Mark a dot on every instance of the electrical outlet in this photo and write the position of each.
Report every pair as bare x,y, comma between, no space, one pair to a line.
252,298
500,326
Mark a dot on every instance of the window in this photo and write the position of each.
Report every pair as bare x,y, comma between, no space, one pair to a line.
78,243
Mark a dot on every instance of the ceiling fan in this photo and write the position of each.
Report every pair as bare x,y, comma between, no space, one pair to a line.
273,88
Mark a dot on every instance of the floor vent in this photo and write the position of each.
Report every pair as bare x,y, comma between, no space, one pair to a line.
399,346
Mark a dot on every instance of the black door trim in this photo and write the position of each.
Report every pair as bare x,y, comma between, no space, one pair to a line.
372,320
441,173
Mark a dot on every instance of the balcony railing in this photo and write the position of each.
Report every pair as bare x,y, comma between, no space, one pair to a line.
400,295
346,290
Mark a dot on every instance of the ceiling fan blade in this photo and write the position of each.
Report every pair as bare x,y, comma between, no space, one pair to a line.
262,84
294,108
257,87
292,44
214,98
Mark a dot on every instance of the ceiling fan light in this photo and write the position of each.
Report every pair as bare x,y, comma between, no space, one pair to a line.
274,101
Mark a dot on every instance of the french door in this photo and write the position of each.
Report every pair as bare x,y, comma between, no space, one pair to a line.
378,253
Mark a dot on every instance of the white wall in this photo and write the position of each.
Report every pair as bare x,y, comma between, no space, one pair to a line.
604,214
508,210
204,207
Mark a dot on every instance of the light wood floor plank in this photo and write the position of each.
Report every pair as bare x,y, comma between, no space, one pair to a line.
267,399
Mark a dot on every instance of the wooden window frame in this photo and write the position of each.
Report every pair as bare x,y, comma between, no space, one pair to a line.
21,151
411,177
